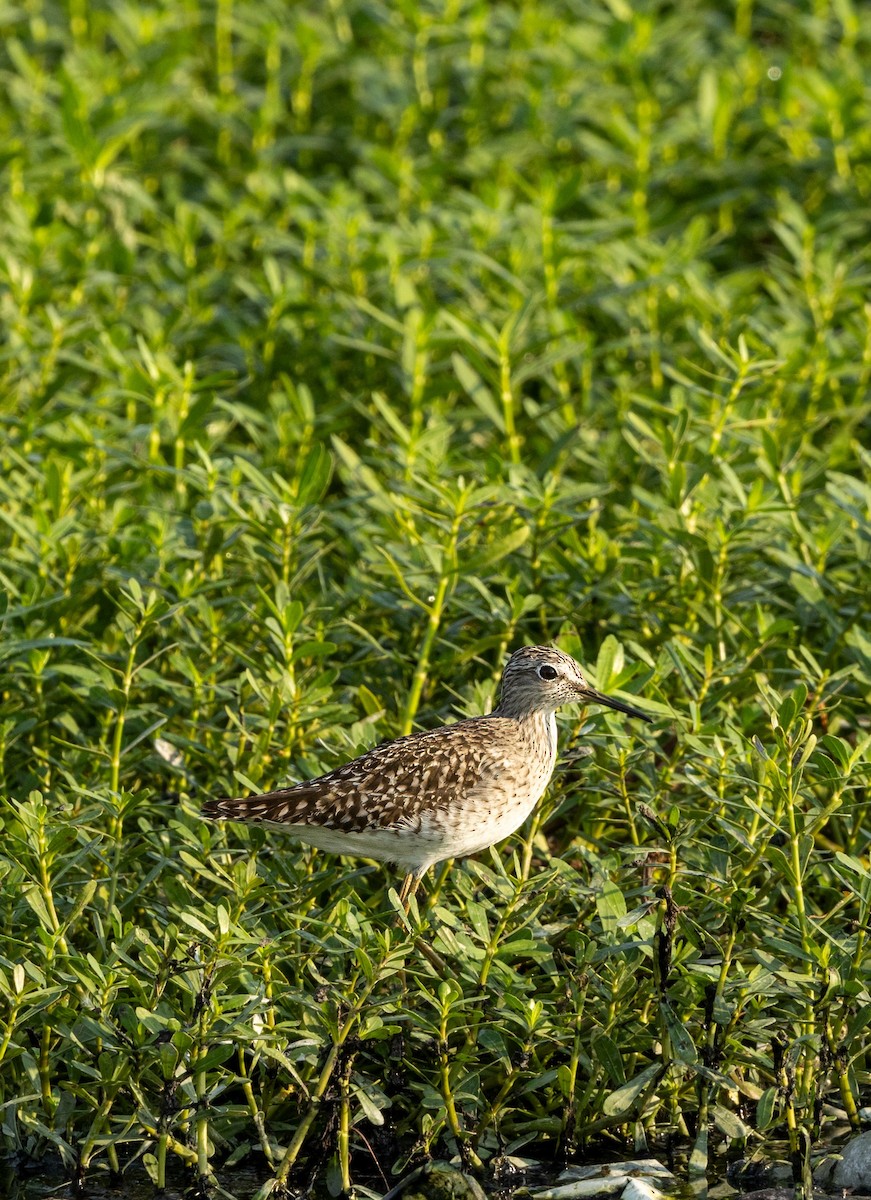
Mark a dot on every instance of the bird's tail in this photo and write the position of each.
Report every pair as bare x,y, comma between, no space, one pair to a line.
219,810
286,804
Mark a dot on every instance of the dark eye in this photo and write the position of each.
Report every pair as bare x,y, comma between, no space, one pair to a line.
546,672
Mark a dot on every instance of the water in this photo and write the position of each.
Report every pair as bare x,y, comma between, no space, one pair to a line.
50,1184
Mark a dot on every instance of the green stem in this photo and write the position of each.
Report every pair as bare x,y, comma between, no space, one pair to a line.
451,1113
115,766
795,863
162,1142
317,1095
344,1130
436,610
506,395
253,1107
45,1070
698,1163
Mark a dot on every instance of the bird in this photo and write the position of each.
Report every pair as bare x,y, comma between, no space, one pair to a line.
440,793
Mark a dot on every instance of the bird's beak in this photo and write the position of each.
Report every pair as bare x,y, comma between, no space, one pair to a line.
590,696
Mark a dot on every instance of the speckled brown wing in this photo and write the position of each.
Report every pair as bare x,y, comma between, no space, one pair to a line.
389,786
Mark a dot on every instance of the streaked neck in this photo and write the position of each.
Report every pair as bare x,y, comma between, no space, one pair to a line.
539,727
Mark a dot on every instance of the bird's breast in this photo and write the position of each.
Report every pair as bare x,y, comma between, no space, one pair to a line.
506,792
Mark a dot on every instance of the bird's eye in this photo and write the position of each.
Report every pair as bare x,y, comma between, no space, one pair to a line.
546,672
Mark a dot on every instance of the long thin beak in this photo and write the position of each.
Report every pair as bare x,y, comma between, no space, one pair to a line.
591,696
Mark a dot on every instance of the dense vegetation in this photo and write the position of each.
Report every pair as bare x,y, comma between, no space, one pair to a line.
346,347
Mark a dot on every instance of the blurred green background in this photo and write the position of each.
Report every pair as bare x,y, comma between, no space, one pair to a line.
345,348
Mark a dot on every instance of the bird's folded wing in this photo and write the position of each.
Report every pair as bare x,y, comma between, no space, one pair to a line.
389,786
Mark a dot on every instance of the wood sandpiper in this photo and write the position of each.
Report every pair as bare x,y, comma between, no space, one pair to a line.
443,793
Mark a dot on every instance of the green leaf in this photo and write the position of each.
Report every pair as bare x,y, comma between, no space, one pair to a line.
502,548
609,662
605,1049
767,1108
371,1110
611,906
315,475
729,1123
35,898
478,917
682,1044
196,923
625,1098
371,705
478,392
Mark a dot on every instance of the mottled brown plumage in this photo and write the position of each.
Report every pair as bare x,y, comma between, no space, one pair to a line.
443,793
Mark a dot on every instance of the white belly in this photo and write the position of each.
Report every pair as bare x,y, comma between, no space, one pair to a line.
410,850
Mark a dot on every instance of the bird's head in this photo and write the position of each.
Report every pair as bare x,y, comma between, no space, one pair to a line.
542,678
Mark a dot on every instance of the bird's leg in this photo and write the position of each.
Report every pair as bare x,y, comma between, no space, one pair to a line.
412,888
407,890
409,886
